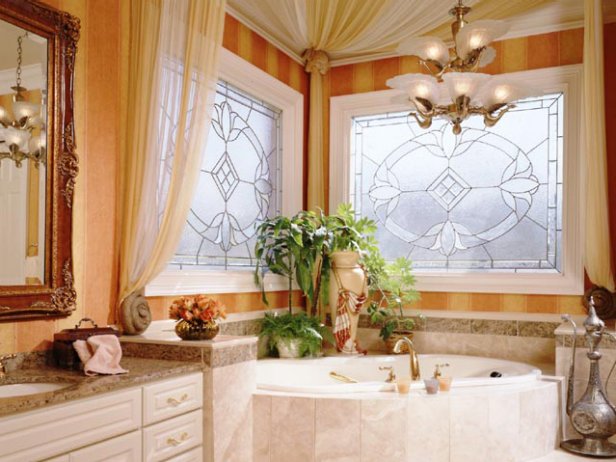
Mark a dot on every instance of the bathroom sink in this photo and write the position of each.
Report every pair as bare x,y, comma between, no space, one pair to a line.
24,389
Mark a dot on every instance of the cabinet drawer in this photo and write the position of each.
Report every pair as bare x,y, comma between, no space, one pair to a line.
172,437
50,431
125,448
172,397
194,455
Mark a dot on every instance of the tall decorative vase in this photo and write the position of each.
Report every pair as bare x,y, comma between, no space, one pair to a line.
348,291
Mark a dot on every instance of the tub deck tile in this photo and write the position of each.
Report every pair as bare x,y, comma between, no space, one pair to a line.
428,428
383,430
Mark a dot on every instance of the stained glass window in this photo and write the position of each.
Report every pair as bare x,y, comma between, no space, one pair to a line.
489,199
239,183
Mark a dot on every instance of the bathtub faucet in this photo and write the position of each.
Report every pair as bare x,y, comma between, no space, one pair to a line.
413,359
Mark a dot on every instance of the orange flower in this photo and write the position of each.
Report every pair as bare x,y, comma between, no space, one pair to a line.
201,308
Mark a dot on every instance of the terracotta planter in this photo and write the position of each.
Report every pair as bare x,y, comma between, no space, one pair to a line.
394,337
347,273
196,331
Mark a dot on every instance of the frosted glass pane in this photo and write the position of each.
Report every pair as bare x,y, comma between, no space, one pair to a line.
489,199
239,183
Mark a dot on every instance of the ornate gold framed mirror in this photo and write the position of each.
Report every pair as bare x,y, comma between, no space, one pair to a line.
38,163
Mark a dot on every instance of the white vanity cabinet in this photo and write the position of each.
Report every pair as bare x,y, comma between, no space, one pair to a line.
160,421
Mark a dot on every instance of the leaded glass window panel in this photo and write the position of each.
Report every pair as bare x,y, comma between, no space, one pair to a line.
239,183
487,200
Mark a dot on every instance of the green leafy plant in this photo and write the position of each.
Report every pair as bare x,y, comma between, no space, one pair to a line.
307,329
290,247
391,292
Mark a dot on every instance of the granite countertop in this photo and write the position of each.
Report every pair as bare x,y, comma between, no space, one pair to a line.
141,371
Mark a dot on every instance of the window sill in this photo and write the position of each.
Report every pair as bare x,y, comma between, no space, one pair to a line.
175,282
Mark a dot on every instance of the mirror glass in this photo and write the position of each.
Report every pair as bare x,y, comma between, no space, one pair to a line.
23,157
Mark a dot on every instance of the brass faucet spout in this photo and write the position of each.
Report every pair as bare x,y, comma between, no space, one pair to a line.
413,358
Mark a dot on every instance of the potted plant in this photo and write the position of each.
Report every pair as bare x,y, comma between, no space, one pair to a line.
294,335
196,317
391,292
290,247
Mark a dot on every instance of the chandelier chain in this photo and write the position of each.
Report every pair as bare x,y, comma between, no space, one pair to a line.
19,59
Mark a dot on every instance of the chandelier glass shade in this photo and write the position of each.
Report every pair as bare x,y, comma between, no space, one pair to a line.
22,135
451,86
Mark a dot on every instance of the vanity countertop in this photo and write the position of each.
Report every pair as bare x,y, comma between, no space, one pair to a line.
140,371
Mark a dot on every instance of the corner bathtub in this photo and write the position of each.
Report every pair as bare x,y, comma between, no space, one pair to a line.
301,414
312,375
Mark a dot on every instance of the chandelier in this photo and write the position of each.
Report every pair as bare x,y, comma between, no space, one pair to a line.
452,88
17,141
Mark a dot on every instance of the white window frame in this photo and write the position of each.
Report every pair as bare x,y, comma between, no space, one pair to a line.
566,79
249,78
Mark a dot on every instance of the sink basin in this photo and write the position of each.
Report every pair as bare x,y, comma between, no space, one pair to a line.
25,389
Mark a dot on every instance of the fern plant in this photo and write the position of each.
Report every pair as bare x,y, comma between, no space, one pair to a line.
307,329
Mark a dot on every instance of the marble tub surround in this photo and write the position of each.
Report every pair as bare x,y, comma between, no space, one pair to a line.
229,381
140,371
487,424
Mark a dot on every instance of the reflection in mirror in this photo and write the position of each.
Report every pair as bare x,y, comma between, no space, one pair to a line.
23,141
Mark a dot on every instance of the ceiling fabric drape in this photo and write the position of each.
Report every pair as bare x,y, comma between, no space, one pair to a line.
597,252
173,69
340,29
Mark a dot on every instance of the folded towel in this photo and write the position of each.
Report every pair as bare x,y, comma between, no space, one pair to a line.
100,354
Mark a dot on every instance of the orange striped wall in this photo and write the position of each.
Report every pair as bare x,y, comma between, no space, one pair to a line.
97,110
255,49
539,51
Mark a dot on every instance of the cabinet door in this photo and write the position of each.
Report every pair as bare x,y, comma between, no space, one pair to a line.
47,432
125,448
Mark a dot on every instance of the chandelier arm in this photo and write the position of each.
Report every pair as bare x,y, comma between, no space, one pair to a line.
424,121
490,119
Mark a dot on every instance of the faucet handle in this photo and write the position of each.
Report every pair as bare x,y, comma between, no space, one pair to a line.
437,369
392,373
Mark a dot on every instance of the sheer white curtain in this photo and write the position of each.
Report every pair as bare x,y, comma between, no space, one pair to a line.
598,256
173,68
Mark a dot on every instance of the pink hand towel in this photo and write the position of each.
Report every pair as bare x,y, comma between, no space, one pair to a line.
100,354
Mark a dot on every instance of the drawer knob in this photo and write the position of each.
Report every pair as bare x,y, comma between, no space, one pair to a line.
177,402
177,441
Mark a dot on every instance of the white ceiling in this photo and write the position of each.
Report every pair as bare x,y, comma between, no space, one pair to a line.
34,47
272,24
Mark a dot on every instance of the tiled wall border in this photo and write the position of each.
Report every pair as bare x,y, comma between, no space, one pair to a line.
515,328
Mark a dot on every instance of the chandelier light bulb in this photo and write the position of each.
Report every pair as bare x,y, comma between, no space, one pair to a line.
25,109
479,34
464,83
37,143
499,92
426,48
416,85
16,137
